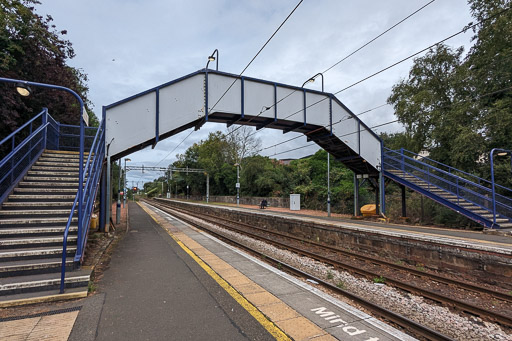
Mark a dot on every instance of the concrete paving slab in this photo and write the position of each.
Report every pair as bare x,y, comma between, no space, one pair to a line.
318,313
300,328
155,291
279,311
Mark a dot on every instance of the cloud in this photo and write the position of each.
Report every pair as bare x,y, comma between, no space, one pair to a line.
128,46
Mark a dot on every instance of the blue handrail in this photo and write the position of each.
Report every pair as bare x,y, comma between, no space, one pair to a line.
450,168
463,188
92,172
21,157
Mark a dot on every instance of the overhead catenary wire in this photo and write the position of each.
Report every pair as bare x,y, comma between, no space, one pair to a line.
246,67
465,29
375,126
265,108
255,56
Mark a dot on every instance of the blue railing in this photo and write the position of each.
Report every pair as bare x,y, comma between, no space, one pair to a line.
458,172
92,172
20,150
448,180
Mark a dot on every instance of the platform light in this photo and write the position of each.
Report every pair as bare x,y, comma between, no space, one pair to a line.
212,58
23,89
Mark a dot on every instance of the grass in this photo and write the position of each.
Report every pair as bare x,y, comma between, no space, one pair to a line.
420,267
330,275
91,287
341,285
379,279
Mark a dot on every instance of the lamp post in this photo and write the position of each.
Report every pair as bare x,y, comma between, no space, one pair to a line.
501,152
124,182
211,58
118,206
311,80
237,165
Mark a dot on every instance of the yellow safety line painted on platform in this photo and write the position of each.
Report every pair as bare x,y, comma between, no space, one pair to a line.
251,309
43,299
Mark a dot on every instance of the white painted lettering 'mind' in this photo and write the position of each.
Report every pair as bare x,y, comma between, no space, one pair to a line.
333,318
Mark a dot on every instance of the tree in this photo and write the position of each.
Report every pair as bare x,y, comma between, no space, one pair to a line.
458,107
241,143
32,49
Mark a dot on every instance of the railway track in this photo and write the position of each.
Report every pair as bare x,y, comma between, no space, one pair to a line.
282,240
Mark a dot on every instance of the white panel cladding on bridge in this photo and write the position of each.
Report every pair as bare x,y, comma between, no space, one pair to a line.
221,101
181,102
345,127
262,95
317,110
370,148
130,123
291,107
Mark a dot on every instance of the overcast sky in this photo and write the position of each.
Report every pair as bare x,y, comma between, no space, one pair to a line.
128,46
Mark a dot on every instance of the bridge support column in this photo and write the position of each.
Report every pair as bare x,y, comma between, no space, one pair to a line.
108,197
377,197
103,199
382,194
404,206
356,196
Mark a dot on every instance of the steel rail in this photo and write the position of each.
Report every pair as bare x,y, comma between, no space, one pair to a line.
378,310
434,277
467,307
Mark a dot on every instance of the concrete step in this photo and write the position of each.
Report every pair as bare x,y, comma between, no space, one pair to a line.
51,178
498,220
37,231
42,296
34,242
41,282
40,204
506,225
46,190
28,196
53,173
46,163
35,221
34,184
59,160
34,212
63,154
55,168
34,266
39,253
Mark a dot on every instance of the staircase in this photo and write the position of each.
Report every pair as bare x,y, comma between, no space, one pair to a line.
32,224
462,192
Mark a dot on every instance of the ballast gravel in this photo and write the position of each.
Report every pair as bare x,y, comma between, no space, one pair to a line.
414,307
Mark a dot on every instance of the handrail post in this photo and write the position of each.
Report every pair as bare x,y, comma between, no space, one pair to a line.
493,190
403,160
45,120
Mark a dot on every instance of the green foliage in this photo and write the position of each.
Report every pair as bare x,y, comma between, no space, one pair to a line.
379,279
32,49
457,107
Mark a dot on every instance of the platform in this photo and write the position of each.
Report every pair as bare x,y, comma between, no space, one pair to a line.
462,238
273,297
